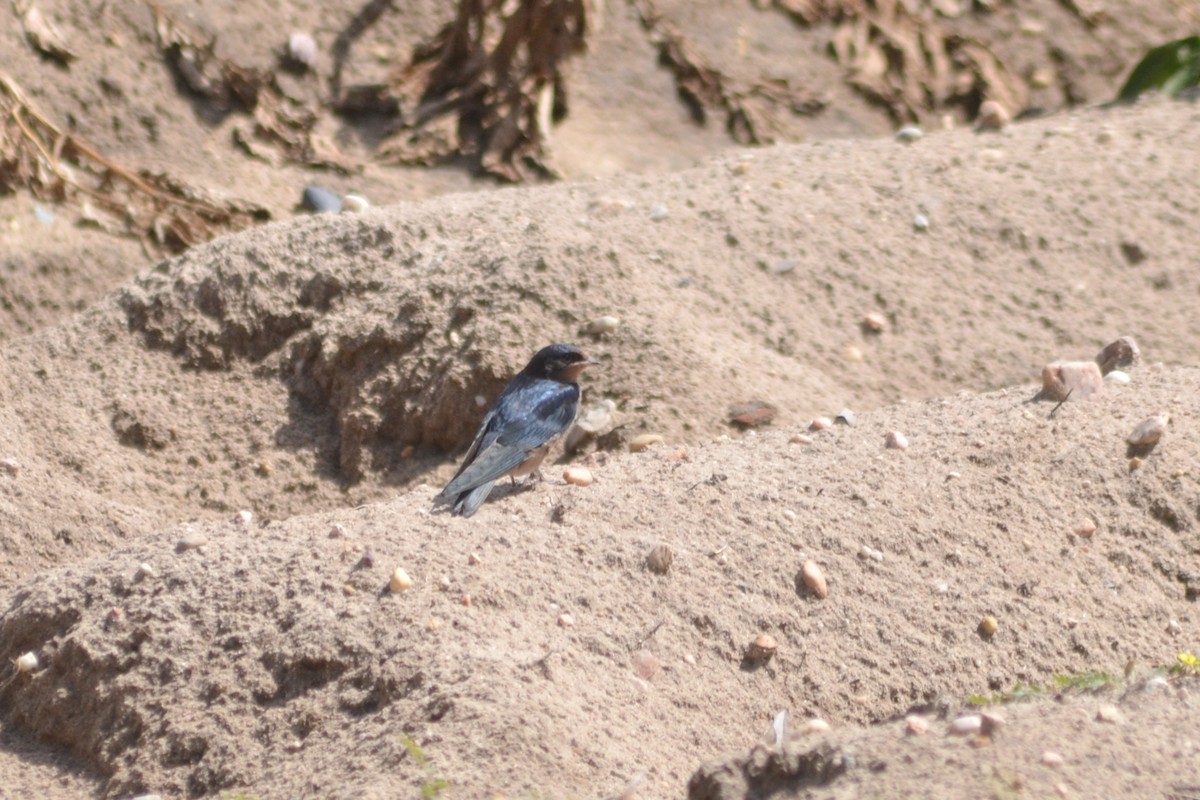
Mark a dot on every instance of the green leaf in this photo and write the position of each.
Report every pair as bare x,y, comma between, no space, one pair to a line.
1170,68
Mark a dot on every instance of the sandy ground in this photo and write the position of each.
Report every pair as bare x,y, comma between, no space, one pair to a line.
213,462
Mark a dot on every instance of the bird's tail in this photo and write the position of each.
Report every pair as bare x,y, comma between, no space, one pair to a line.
469,502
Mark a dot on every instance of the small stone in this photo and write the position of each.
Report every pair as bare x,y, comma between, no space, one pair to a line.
466,600
689,659
854,353
565,620
474,560
762,649
820,424
800,438
602,325
1110,714
143,572
845,417
1148,431
26,662
992,723
1084,528
658,213
10,467
320,200
895,440
1135,463
813,579
354,203
349,590
989,625
752,413
302,50
243,517
920,222
1052,759
1117,376
399,582
443,584
646,664
1077,380
660,558
909,134
577,476
644,441
789,515
814,725
191,541
993,116
337,531
915,725
1173,627
966,725
1124,352
875,322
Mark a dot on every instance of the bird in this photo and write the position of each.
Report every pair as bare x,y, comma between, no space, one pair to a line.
535,408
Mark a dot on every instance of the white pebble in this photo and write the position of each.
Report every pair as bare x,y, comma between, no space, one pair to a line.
602,325
565,620
400,582
480,401
354,203
27,662
337,531
895,440
243,517
789,515
800,438
909,134
9,466
658,213
820,424
302,49
144,571
1052,759
921,222
965,726
1117,376
577,476
1173,627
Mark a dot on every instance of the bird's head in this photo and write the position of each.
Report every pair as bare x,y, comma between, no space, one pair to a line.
559,362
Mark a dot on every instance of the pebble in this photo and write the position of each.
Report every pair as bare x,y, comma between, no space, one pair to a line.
989,625
915,725
689,659
1117,376
354,203
1085,528
602,325
191,541
800,438
1173,627
243,517
846,417
27,662
565,620
660,558
644,441
965,726
9,466
814,725
1124,352
814,579
895,440
143,572
909,134
854,353
577,476
658,213
320,200
302,49
993,116
789,515
762,649
1110,714
1148,431
337,531
921,222
646,664
1156,683
1134,463
399,582
1077,380
992,723
866,551
1052,759
820,424
875,322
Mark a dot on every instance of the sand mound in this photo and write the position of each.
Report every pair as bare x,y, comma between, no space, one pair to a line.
274,657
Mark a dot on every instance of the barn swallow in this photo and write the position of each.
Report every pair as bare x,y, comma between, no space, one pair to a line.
535,408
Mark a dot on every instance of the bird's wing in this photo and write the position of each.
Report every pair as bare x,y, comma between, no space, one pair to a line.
522,421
